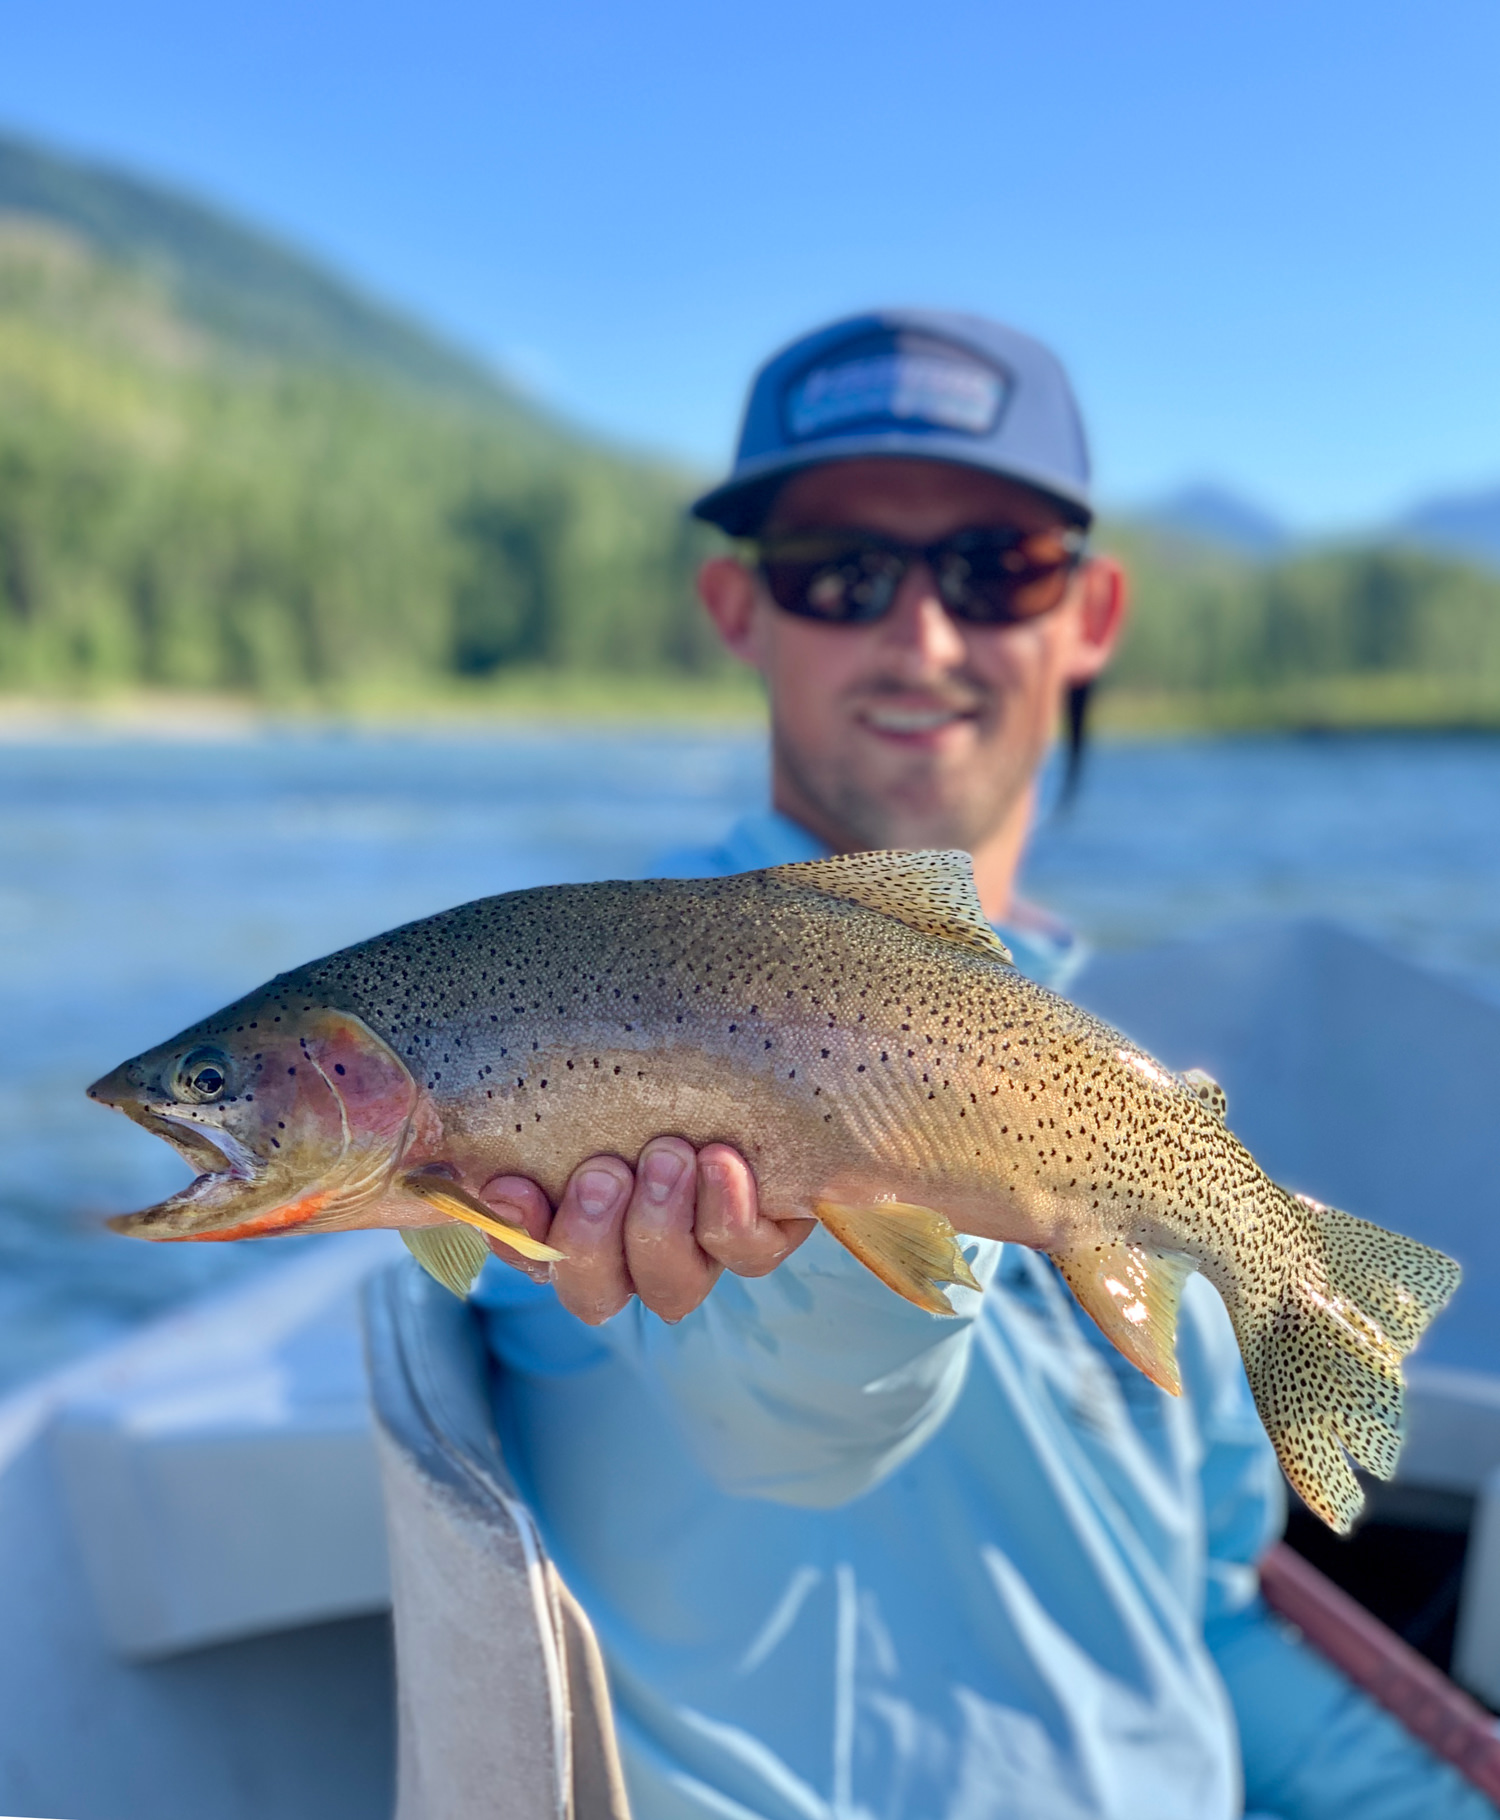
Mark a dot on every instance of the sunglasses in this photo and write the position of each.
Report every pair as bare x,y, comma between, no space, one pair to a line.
986,577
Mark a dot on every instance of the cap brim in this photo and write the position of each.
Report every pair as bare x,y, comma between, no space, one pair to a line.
740,505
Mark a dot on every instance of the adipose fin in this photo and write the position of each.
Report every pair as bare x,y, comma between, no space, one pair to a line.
1208,1090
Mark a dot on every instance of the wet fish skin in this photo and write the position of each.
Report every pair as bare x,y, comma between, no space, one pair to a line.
852,1027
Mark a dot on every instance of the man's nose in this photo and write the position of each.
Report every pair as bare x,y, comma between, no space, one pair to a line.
920,625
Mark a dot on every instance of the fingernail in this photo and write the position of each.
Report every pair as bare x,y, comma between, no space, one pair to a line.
661,1172
598,1193
508,1211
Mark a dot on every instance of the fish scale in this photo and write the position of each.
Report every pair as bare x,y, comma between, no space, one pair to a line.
854,1027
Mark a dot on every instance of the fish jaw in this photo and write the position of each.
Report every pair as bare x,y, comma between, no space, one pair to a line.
308,1139
233,1187
226,1205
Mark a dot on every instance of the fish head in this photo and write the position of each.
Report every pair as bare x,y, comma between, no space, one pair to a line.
294,1115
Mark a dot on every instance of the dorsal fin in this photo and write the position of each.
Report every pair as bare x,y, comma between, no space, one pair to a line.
1209,1091
931,892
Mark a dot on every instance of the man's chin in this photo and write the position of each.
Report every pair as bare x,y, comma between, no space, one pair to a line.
918,814
921,783
881,793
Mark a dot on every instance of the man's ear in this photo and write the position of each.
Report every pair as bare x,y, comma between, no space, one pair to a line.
727,590
1104,604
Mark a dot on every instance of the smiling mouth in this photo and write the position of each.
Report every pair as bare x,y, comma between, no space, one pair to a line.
907,722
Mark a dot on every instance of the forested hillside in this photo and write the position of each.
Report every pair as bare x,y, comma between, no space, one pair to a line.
1372,635
223,469
181,512
250,291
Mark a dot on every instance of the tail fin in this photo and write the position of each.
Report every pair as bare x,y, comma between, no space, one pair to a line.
1326,1369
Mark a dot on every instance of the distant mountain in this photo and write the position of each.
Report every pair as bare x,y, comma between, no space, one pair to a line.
237,282
1211,514
1461,524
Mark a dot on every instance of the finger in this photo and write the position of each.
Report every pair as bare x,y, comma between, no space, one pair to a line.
588,1228
730,1226
519,1202
671,1271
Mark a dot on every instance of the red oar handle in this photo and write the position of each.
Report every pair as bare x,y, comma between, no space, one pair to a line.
1391,1672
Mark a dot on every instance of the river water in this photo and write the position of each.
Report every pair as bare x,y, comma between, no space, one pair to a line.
144,883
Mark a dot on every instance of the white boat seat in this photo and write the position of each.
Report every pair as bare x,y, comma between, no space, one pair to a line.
503,1707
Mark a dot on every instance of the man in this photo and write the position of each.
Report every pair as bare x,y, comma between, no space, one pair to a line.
843,1558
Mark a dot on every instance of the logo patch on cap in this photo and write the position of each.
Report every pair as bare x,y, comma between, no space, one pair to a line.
929,386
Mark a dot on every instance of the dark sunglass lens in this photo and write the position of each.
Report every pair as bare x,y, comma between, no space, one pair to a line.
846,587
1002,580
1007,599
786,583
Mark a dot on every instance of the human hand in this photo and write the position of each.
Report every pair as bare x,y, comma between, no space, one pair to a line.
663,1231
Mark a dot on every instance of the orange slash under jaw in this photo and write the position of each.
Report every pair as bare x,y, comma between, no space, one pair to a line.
228,1206
277,1220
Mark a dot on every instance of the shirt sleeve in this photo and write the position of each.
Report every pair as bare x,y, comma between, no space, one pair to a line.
1314,1747
809,1385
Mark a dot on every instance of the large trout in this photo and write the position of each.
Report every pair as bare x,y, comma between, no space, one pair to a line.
854,1027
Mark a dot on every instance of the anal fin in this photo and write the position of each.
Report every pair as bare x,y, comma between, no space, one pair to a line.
454,1254
911,1249
1132,1292
454,1199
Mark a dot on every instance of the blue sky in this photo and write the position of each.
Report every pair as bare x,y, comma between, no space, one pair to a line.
1265,237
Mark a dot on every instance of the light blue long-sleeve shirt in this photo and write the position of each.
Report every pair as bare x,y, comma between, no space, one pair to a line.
848,1560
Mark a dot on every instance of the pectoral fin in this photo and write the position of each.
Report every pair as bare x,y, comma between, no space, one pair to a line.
1133,1292
454,1199
455,1254
912,1249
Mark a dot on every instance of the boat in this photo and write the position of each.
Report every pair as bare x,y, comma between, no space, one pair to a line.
207,1525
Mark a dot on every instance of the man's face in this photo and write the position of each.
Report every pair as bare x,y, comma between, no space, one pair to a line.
919,730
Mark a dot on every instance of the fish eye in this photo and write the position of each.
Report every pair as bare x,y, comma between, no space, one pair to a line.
202,1075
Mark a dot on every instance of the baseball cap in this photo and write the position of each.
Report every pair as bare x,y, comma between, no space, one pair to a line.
924,383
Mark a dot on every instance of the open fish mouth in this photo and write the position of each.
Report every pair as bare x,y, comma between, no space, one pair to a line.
229,1186
307,1140
212,1153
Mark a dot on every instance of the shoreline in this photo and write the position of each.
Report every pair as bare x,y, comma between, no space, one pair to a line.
591,703
585,703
